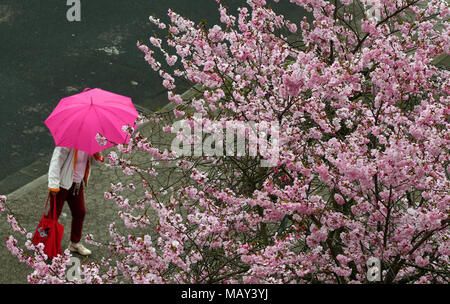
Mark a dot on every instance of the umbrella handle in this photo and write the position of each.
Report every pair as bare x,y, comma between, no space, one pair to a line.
86,89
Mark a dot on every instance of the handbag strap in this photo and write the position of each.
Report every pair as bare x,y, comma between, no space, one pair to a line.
54,206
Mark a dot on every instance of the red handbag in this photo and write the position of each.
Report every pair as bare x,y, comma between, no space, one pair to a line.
49,232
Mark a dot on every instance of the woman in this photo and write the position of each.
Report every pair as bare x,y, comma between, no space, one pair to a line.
68,175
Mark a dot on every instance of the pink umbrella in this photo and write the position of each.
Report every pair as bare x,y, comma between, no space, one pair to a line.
77,119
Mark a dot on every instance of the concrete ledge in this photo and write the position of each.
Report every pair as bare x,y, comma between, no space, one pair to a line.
25,175
31,186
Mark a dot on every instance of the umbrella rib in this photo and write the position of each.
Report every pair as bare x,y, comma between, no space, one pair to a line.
61,109
117,106
117,132
61,130
98,118
115,115
80,127
115,101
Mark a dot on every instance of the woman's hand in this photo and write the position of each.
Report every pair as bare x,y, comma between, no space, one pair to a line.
99,156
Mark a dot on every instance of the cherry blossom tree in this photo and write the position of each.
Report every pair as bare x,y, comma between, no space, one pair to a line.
359,190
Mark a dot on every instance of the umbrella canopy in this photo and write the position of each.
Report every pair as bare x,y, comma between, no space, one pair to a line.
77,119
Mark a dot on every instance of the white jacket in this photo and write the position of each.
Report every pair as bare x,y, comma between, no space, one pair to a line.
62,164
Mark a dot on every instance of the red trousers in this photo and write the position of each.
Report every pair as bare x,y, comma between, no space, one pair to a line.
77,208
